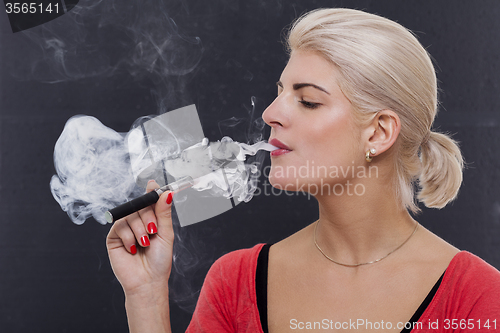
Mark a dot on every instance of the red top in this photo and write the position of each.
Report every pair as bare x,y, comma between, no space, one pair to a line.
468,298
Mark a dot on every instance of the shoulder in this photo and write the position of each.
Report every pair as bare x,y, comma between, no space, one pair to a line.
470,287
234,272
237,262
227,299
468,270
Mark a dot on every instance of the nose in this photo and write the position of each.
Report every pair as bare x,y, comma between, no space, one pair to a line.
274,115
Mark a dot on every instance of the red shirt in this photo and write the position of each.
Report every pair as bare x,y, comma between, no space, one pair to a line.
468,299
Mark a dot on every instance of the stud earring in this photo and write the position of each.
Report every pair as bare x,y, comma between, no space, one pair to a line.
368,152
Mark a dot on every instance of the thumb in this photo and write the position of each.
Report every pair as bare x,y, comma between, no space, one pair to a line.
163,212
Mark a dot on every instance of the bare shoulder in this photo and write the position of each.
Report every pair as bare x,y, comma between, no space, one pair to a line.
432,249
296,245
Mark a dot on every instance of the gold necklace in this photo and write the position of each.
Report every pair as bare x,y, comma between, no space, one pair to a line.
363,263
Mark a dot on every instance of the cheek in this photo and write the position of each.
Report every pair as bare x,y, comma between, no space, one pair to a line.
334,140
321,142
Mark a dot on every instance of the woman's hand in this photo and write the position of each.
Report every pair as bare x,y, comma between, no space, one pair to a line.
140,249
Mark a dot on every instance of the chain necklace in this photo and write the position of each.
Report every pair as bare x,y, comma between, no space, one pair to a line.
363,263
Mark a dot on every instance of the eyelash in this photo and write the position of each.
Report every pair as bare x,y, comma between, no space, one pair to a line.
309,105
306,104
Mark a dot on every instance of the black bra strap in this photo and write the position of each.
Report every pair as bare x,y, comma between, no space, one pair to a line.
416,316
261,285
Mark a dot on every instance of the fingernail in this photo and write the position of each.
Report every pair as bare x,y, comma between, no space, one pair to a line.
170,197
133,249
152,228
145,241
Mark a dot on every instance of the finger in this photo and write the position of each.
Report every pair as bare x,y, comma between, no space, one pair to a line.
148,214
152,185
136,224
121,232
148,218
163,212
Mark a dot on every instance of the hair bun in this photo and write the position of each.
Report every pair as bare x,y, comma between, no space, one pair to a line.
441,175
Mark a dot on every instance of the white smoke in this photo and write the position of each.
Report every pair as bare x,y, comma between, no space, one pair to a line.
94,172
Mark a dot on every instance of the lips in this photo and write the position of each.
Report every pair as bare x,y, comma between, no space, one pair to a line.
282,148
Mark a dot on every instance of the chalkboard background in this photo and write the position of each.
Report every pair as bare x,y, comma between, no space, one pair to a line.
55,276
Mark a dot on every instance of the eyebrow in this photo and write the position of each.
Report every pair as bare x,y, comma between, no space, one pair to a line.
298,86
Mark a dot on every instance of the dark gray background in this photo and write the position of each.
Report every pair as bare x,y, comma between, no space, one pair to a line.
55,276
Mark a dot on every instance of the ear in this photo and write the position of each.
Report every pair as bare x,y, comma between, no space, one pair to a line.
383,131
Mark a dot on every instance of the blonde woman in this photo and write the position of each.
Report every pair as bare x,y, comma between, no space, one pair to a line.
358,93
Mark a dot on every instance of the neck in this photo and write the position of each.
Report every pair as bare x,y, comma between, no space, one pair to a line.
356,229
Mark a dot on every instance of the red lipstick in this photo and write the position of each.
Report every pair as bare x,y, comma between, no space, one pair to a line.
282,148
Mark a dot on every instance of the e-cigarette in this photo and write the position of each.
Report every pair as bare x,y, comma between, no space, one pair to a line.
146,200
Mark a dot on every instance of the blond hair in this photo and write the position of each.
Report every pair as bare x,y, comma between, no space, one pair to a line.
383,66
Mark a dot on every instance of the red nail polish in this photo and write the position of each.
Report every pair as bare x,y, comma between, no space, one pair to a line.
152,228
145,241
133,249
170,197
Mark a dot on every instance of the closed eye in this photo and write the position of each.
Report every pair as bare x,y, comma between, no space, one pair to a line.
309,105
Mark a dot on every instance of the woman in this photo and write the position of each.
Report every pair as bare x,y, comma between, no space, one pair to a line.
355,107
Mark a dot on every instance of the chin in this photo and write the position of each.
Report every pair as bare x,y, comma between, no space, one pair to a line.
282,182
289,184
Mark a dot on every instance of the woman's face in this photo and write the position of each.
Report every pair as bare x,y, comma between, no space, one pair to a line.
313,122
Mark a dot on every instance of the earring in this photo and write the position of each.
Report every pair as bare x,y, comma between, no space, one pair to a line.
368,152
